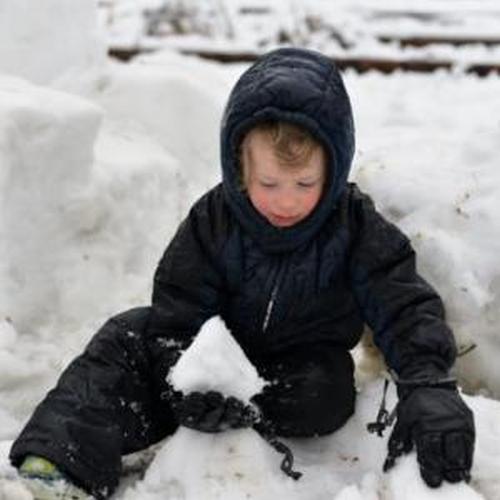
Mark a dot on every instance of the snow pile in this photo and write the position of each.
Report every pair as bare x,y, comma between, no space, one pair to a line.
232,465
238,465
347,465
14,490
42,40
432,169
213,362
47,140
74,198
10,486
91,192
168,97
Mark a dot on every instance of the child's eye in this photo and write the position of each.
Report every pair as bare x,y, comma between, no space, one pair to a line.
307,184
268,184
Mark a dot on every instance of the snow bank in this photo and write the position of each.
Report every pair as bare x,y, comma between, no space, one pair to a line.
74,198
428,155
42,40
347,465
178,102
46,146
175,100
90,197
344,466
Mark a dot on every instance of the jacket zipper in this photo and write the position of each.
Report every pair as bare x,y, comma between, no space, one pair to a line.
272,300
269,309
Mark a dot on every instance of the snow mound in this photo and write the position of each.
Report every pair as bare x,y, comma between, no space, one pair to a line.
215,361
46,142
75,192
167,96
236,465
42,40
14,490
346,465
432,170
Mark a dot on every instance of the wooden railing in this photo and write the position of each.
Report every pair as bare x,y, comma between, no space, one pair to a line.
360,64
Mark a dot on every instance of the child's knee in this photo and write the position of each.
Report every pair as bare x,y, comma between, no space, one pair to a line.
133,322
313,398
121,330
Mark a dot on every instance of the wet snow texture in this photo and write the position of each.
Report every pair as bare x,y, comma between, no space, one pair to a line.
97,171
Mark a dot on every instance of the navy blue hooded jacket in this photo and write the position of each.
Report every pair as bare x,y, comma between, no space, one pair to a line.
316,282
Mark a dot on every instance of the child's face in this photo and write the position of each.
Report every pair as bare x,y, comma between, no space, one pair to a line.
284,195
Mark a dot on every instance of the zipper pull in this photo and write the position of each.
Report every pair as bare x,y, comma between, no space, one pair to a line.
269,308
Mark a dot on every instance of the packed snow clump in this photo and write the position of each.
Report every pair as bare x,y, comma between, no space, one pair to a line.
215,361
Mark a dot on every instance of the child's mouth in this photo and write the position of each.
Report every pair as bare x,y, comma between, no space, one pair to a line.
283,221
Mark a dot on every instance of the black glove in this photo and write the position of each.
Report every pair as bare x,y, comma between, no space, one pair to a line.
439,423
212,412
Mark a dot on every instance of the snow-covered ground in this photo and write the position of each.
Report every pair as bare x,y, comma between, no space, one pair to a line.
97,170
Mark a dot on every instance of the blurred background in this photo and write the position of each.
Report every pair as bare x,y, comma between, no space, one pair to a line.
364,34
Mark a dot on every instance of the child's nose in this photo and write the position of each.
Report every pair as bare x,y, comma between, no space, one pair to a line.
287,203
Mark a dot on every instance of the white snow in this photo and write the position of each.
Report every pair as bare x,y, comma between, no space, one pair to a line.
195,371
42,40
97,170
428,155
347,28
47,140
239,464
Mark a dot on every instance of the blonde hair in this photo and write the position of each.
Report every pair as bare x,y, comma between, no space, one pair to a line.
292,144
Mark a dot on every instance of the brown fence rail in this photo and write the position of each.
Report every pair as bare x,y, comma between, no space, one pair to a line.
360,64
425,40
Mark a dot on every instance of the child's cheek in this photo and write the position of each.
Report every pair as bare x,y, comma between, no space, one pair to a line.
261,201
311,200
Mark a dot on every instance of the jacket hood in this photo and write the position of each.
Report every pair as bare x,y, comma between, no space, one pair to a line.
305,88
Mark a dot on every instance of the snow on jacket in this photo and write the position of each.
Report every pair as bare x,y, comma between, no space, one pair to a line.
316,282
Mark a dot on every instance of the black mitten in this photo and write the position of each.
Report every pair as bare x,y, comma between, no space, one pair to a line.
438,422
212,412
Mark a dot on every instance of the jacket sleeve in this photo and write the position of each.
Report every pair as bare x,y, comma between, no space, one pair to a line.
405,313
186,290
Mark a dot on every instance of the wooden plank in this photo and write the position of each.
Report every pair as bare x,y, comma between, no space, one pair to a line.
223,57
358,63
483,69
364,64
125,54
424,40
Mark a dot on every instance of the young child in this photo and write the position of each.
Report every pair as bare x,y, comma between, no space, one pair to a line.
295,260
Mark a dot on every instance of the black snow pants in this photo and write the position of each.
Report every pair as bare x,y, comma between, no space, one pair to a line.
107,403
